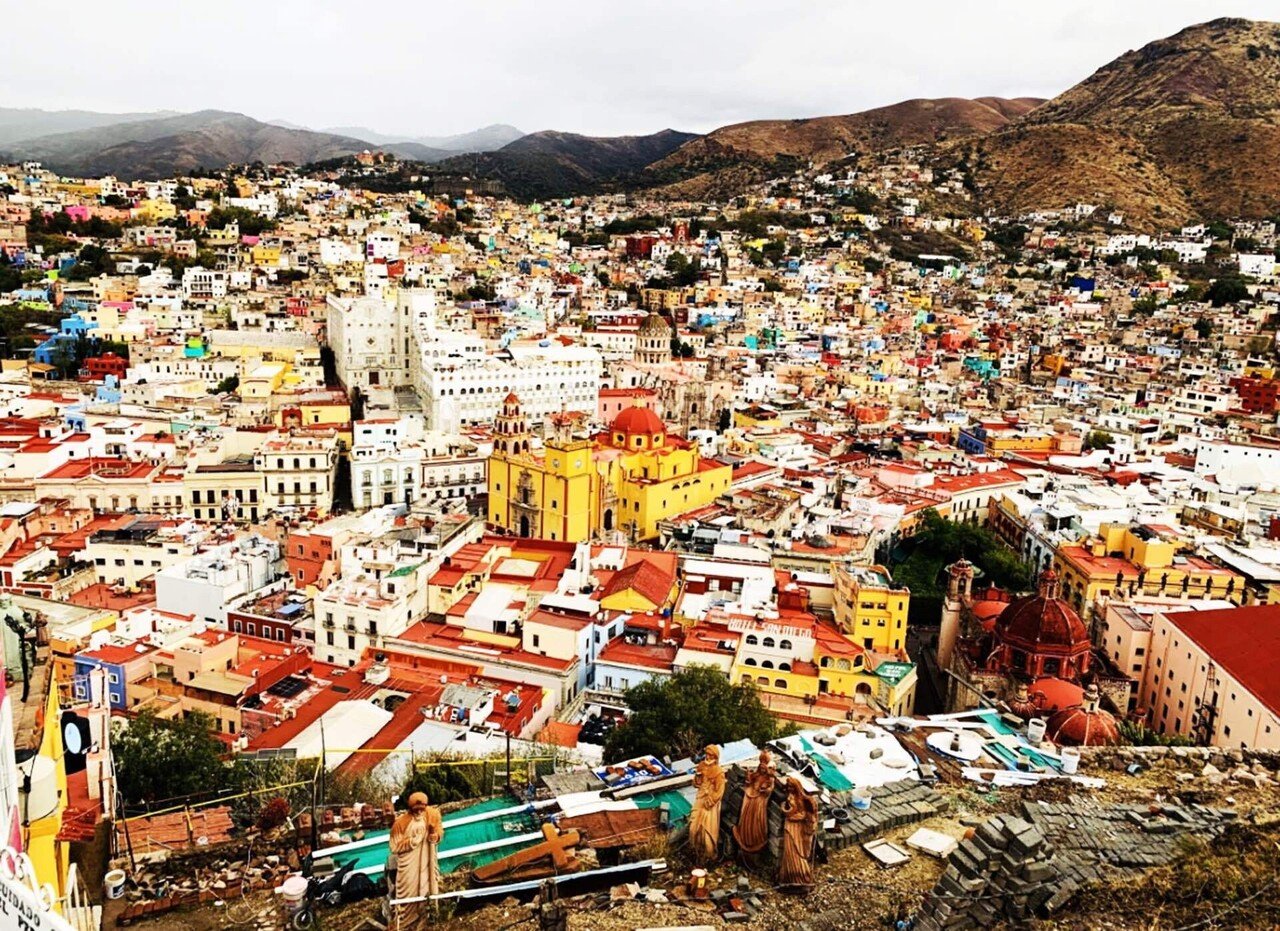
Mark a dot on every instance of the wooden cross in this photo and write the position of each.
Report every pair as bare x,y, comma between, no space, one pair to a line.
557,847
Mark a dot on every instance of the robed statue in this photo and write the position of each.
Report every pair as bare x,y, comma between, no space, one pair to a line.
799,828
752,830
704,820
415,841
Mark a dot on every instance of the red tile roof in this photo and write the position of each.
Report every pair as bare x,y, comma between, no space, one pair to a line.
645,578
1243,641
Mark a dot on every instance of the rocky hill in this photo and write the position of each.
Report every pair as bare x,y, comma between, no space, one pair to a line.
719,163
1184,127
554,164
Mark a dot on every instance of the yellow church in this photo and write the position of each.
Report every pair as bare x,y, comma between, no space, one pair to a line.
575,489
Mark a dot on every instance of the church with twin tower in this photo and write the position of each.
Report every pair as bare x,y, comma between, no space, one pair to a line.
578,487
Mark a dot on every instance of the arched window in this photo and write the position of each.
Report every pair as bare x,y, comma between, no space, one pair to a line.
752,640
779,683
766,664
768,642
824,662
763,680
784,644
785,667
749,661
842,664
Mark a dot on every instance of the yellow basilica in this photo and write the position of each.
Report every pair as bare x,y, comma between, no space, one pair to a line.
627,479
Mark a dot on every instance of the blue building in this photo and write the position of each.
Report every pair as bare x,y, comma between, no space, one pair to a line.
52,349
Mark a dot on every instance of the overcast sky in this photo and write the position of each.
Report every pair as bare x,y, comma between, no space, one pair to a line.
592,66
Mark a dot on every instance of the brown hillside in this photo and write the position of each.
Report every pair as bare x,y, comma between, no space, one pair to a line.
1185,127
722,160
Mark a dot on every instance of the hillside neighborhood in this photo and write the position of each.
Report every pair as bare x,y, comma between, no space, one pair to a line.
817,539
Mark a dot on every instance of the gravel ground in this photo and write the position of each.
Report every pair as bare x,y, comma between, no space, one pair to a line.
851,892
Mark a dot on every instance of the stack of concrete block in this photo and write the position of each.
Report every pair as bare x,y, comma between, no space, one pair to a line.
892,806
1005,872
1014,868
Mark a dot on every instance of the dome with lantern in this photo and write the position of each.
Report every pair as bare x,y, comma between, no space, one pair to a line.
1042,635
638,427
1087,725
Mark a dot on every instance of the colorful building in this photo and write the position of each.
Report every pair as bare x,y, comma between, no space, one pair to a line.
625,480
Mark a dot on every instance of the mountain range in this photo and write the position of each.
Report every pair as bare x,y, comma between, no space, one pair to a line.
162,144
1185,127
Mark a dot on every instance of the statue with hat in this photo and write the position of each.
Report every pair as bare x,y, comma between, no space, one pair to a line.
415,842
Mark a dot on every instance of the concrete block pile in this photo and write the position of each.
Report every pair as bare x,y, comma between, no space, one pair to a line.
1013,868
892,806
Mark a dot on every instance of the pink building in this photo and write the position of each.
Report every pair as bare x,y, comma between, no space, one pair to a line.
613,401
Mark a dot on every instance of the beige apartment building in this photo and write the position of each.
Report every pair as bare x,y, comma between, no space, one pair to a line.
1201,671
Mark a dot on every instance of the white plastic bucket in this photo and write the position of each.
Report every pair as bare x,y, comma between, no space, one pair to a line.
1070,760
293,890
113,883
1035,730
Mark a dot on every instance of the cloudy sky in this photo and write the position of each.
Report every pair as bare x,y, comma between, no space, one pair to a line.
593,66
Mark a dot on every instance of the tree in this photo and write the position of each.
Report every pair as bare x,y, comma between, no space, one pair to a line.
228,385
1147,304
1227,290
680,715
158,760
1099,439
91,262
939,542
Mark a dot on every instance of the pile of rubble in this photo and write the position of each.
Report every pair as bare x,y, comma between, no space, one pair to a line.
1013,868
154,891
1217,764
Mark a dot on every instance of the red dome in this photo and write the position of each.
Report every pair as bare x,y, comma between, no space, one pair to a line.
638,420
1053,694
1078,727
1043,623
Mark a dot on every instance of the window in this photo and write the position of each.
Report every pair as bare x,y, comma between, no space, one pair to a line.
537,640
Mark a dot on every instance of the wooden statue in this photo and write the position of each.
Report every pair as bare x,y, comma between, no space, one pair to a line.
415,841
704,820
799,828
752,830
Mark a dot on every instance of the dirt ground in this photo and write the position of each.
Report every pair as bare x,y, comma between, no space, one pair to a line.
851,890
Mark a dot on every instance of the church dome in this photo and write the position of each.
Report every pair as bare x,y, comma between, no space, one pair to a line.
655,325
1080,727
1043,623
1050,693
637,421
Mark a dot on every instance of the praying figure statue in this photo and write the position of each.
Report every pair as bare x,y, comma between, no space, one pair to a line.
704,820
800,827
752,830
415,841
